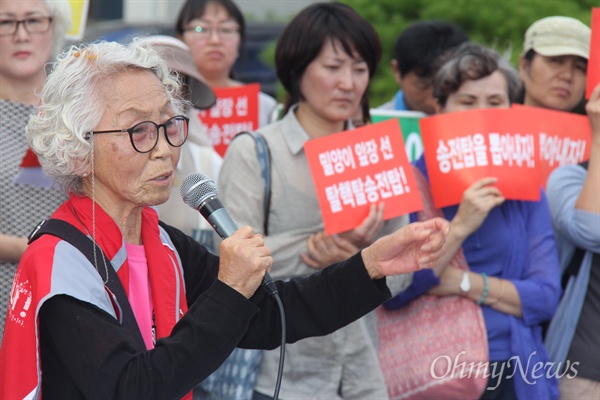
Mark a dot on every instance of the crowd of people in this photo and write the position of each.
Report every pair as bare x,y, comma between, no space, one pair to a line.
127,293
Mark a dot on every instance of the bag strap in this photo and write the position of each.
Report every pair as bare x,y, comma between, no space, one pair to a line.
264,159
573,267
85,245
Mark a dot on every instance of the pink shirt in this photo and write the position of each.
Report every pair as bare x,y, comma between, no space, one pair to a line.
140,296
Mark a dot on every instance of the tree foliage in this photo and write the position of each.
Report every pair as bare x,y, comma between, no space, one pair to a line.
500,24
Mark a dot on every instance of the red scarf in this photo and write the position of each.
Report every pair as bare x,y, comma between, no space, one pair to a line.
19,356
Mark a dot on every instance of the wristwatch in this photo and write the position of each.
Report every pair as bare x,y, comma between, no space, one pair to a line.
465,283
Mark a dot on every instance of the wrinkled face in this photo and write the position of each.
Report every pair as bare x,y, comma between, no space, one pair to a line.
24,54
488,92
557,82
333,84
125,178
417,90
214,40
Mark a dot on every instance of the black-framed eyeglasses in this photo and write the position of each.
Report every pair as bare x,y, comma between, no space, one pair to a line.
144,136
31,24
226,33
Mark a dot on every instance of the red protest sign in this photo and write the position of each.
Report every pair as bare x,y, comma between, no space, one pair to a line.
593,70
354,169
463,147
236,111
564,138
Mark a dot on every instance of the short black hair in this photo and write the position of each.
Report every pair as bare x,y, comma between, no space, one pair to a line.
418,46
193,9
303,38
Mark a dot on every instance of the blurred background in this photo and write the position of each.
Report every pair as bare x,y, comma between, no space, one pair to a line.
500,24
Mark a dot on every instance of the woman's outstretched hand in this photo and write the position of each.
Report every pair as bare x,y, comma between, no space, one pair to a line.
413,247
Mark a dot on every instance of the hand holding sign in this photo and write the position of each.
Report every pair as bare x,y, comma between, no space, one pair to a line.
324,250
364,234
477,202
592,108
354,170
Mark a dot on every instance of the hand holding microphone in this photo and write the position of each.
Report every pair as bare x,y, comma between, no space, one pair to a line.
244,261
244,258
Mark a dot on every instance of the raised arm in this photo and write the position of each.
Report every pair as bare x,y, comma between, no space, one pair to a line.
590,192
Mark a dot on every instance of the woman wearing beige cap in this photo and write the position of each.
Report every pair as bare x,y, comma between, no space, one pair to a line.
553,65
553,68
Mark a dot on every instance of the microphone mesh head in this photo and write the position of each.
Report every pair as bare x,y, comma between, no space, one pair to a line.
197,188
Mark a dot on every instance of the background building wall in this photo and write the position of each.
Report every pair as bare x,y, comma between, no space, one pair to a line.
253,10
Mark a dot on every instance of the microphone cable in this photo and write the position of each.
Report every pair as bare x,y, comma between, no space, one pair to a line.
200,192
282,347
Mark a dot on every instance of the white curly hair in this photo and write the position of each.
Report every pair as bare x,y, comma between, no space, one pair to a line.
72,104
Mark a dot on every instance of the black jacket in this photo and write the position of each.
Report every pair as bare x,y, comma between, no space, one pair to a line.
86,354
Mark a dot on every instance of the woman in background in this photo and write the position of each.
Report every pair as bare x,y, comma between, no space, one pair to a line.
30,33
215,32
553,65
324,59
508,244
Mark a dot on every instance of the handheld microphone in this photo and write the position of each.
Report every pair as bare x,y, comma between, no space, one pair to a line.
200,192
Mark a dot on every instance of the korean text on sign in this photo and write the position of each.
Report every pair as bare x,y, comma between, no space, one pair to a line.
354,169
463,147
235,111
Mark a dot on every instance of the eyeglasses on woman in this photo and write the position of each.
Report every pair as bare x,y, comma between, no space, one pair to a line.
31,25
144,136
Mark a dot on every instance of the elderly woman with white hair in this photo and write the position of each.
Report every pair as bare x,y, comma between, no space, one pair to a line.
30,33
145,311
